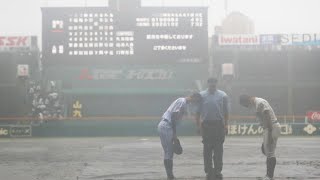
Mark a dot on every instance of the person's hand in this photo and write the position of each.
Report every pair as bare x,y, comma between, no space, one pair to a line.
199,131
226,130
174,138
270,139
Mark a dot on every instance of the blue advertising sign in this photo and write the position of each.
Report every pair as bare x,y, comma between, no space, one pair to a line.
269,39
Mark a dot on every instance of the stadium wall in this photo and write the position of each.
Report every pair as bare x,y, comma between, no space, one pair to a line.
146,127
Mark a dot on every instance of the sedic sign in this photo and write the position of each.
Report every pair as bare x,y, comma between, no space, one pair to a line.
300,39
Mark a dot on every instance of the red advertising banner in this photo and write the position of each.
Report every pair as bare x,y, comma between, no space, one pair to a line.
313,115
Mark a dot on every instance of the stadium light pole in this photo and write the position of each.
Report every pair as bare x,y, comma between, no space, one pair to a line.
226,7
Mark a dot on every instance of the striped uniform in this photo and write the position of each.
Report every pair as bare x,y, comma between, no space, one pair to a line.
262,105
165,126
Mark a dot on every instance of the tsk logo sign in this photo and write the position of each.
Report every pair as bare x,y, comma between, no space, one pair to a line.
314,115
300,39
14,41
235,40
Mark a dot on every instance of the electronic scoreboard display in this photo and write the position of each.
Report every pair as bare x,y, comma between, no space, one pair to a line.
141,35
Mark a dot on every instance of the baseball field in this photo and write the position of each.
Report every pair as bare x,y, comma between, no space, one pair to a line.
141,158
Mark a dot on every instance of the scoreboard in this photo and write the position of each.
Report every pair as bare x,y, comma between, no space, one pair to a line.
85,35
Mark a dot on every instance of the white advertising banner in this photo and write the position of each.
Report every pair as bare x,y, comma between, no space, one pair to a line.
300,39
235,40
14,41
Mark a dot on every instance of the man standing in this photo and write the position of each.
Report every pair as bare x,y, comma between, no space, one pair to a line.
214,115
167,127
271,129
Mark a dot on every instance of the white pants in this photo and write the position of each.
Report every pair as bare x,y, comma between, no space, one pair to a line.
166,134
270,148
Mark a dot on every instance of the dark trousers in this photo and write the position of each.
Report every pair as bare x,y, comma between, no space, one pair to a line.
213,135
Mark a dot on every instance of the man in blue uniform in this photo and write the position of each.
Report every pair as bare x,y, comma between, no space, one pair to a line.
212,121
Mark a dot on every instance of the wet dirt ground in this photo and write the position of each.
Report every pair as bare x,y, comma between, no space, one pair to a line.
107,158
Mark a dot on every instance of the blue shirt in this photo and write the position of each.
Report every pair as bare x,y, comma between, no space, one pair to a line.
214,106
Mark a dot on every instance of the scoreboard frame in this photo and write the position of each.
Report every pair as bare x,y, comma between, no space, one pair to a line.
173,40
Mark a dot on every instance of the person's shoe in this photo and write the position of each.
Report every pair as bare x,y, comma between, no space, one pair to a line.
168,164
218,176
209,176
267,178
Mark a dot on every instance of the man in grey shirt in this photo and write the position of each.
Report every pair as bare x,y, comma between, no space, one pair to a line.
212,121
